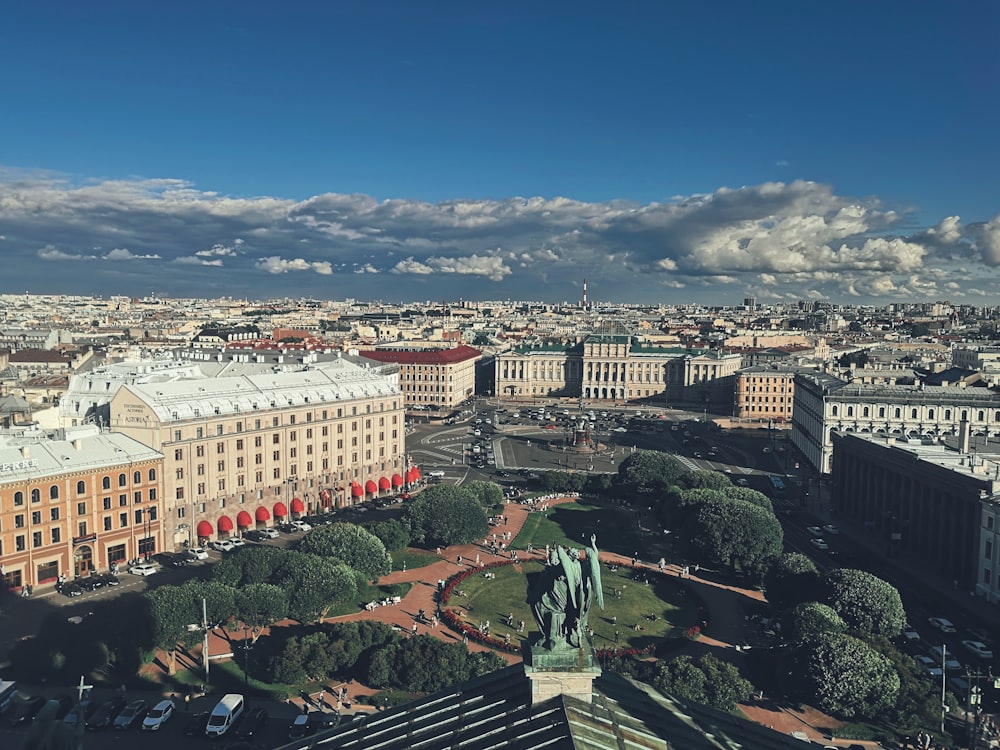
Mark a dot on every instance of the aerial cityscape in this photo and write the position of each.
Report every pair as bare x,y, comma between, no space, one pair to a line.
561,375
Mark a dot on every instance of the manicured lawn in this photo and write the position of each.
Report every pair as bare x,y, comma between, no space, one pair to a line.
630,601
572,524
414,558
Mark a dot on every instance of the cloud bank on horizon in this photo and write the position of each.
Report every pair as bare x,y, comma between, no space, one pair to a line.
776,241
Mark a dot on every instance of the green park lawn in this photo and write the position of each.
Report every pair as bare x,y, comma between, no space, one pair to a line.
571,524
632,602
414,558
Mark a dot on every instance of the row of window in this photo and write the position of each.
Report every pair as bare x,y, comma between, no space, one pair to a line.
258,424
897,413
81,487
56,535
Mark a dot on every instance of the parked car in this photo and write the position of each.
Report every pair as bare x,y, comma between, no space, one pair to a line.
814,530
181,560
945,626
268,533
105,713
143,569
301,526
300,727
198,553
130,715
195,726
110,579
831,529
253,721
819,544
910,634
71,589
978,648
158,715
237,542
223,545
89,583
22,709
951,664
81,712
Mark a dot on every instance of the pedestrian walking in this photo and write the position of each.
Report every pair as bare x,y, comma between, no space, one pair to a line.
616,636
414,628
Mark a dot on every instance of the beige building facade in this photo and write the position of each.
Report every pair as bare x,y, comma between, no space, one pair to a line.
440,378
251,450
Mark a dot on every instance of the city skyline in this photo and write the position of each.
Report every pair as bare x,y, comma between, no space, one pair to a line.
399,152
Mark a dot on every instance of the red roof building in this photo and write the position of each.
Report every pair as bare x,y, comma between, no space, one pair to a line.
442,378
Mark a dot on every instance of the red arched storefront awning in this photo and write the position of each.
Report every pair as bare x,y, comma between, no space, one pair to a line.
262,514
297,505
357,490
371,487
280,511
205,530
416,473
243,520
383,484
410,477
224,524
397,481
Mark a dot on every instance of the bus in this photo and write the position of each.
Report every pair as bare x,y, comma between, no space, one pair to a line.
777,488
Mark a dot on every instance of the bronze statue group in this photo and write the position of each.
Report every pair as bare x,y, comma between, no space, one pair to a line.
563,595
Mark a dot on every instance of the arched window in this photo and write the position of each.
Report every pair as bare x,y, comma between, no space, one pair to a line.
54,492
881,412
152,475
982,416
947,413
122,480
834,410
850,411
864,412
897,413
913,413
930,414
106,483
965,415
18,498
137,477
36,496
81,487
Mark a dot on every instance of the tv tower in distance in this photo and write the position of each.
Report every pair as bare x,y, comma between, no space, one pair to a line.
583,305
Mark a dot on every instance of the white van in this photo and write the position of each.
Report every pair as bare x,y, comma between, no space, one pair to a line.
226,713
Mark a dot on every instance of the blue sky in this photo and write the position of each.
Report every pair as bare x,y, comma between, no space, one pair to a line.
409,151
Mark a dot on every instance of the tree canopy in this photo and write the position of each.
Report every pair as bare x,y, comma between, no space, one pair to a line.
869,605
444,515
791,579
812,618
845,676
735,533
708,680
649,472
352,545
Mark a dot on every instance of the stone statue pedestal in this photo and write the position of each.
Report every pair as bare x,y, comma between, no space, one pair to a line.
561,671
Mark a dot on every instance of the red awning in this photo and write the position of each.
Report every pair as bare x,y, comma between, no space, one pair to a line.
371,487
280,511
262,514
243,520
357,490
205,530
410,477
397,481
225,523
383,483
416,473
297,505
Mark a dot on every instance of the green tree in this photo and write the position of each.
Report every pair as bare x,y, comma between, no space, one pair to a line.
735,533
868,605
735,492
252,564
352,545
791,579
259,605
649,472
314,583
220,600
811,618
843,675
444,515
172,610
708,680
705,480
489,494
393,534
